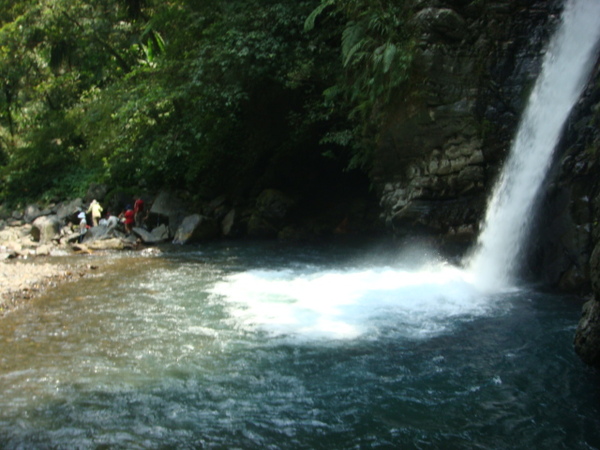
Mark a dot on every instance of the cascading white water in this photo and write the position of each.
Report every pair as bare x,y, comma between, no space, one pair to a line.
565,70
418,300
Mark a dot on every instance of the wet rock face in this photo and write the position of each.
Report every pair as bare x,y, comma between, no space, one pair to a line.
587,336
444,142
437,186
441,146
578,181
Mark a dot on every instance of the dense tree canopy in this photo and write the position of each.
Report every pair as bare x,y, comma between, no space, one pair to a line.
204,95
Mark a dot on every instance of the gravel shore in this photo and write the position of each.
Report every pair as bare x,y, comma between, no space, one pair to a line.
22,280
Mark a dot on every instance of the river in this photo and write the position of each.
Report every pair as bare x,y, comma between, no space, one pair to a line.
268,345
273,346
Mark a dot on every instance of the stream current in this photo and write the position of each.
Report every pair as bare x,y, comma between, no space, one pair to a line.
265,345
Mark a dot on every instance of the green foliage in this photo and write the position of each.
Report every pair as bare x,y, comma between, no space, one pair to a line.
212,96
51,53
376,54
376,49
309,23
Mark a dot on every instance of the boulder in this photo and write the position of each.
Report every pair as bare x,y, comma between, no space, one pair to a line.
96,191
156,236
97,234
45,229
228,224
69,210
268,217
170,207
196,228
110,244
218,208
31,213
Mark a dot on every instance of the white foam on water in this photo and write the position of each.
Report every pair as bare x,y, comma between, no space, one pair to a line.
351,303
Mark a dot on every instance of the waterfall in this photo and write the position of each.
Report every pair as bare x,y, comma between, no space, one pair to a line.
566,68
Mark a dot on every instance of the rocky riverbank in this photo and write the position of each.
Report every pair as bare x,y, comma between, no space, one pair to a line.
35,241
23,280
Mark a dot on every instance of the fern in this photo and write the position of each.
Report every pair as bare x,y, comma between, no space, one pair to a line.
376,54
352,41
309,23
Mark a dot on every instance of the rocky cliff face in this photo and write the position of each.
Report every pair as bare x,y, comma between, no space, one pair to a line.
442,146
561,251
568,252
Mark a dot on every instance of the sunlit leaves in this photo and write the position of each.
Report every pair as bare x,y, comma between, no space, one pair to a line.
191,94
51,53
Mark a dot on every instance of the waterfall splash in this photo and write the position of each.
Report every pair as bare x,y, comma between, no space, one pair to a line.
565,70
412,300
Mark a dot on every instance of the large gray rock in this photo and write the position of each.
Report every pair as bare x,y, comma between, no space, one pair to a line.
32,212
228,223
169,207
113,243
97,234
69,210
96,191
156,236
196,228
45,229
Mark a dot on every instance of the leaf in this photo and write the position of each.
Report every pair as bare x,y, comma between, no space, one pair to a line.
352,41
309,23
352,52
388,56
332,92
160,42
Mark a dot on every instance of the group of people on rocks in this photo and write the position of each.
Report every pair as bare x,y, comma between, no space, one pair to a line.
128,217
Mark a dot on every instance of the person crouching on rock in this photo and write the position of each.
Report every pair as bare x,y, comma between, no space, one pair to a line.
111,220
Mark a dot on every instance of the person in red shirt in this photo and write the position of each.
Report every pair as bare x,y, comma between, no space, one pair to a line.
128,218
138,212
